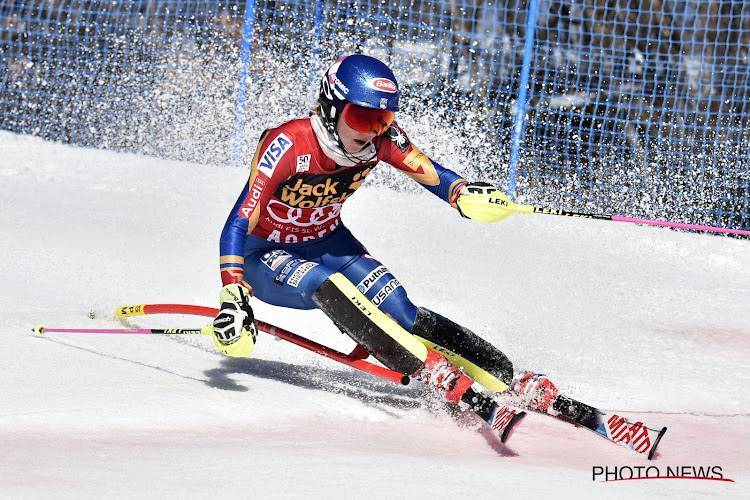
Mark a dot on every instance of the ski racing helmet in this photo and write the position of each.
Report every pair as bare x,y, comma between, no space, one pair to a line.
363,91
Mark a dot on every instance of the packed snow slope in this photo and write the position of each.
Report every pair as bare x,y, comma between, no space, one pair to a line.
648,321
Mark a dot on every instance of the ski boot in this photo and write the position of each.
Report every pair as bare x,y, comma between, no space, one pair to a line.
534,390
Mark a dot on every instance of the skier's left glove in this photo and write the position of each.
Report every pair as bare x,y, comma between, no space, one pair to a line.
234,328
483,202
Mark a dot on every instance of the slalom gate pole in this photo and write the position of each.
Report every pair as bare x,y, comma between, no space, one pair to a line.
347,359
531,209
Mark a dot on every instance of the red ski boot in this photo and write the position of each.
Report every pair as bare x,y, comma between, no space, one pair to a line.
454,386
534,390
449,380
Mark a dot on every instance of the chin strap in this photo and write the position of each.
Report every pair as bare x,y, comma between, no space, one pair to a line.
333,149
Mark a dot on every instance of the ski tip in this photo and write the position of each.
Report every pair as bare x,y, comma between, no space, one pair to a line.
39,330
508,432
656,443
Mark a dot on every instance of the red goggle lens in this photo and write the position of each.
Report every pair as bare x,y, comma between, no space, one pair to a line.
366,120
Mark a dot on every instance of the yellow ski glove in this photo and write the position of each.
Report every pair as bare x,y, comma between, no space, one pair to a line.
484,202
234,328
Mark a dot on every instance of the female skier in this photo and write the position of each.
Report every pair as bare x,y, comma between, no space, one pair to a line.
284,242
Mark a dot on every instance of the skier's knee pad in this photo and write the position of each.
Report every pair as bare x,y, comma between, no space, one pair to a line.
370,327
439,330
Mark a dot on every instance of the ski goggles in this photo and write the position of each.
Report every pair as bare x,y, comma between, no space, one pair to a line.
365,120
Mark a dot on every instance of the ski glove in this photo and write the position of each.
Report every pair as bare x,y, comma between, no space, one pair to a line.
234,328
483,202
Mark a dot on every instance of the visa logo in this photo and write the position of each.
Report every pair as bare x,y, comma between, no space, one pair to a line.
274,152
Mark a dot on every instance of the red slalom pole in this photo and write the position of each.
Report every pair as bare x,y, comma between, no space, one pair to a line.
347,359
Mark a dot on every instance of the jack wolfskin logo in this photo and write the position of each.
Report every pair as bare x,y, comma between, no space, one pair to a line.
320,190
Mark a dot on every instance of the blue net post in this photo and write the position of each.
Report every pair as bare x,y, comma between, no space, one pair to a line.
247,44
315,62
519,124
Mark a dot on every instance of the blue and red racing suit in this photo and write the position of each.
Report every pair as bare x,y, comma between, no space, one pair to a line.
284,235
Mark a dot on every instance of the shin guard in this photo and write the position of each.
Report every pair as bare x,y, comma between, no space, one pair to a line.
456,342
370,327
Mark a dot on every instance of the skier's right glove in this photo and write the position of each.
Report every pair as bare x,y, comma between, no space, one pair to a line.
235,329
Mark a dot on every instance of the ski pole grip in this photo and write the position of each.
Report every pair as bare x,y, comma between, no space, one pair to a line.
128,311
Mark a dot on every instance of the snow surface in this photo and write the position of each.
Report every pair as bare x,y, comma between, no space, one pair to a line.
648,321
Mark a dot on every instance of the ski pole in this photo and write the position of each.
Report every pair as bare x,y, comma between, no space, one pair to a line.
143,309
40,330
347,359
512,207
634,220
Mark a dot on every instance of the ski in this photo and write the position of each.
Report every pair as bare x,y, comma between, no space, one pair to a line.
503,420
614,427
632,434
500,418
